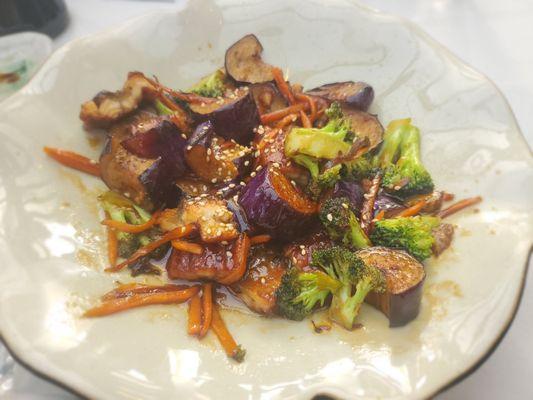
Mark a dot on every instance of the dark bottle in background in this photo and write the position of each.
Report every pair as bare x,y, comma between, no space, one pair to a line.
46,16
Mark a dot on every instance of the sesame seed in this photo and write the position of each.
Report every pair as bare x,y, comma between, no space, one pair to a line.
208,230
198,198
246,163
303,252
253,174
293,183
345,205
228,253
209,151
224,242
275,165
329,217
293,259
263,280
214,180
231,185
397,187
259,168
302,246
242,183
236,198
189,147
219,193
92,162
184,136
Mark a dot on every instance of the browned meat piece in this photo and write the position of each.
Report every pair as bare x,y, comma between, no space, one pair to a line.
225,264
300,251
213,218
257,289
404,277
443,235
108,107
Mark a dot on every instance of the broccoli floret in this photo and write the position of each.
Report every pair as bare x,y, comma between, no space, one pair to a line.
320,181
360,168
391,143
408,176
342,224
348,270
328,142
121,209
212,85
299,293
412,234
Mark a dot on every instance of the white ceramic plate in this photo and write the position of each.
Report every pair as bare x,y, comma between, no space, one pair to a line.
53,249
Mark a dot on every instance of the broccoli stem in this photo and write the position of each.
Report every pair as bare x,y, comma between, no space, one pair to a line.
308,162
391,143
358,238
345,307
410,146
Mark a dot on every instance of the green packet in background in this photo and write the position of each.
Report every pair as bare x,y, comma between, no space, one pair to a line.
21,54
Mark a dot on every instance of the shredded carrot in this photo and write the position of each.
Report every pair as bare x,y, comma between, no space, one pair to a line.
279,114
167,237
139,300
413,210
311,102
283,87
207,308
459,206
306,123
188,247
287,120
129,289
131,228
260,239
380,215
224,337
194,322
73,160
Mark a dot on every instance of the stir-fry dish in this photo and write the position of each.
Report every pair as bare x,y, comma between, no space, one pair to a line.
294,200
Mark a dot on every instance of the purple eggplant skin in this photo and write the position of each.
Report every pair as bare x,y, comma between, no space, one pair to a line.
404,277
388,204
203,135
351,190
365,125
358,95
243,61
274,206
234,120
159,181
239,216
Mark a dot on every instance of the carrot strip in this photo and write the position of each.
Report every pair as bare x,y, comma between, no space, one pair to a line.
194,322
224,337
167,237
311,102
74,160
413,210
207,308
306,123
459,206
131,228
283,87
139,300
286,121
447,196
129,289
260,239
279,114
380,215
188,247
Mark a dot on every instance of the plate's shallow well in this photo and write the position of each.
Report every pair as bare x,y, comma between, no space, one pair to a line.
53,250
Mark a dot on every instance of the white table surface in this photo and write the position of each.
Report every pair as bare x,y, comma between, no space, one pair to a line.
495,37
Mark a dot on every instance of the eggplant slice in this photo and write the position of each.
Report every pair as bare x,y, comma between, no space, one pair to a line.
365,125
404,277
108,107
358,95
267,97
243,61
443,235
257,289
149,182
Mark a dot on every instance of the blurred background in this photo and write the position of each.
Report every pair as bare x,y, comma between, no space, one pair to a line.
491,35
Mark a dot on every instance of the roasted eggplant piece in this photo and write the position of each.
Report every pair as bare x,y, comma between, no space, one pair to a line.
225,264
257,289
353,191
192,186
365,125
214,219
443,235
404,277
267,97
358,95
300,251
233,118
274,206
214,160
390,205
243,61
148,182
108,107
